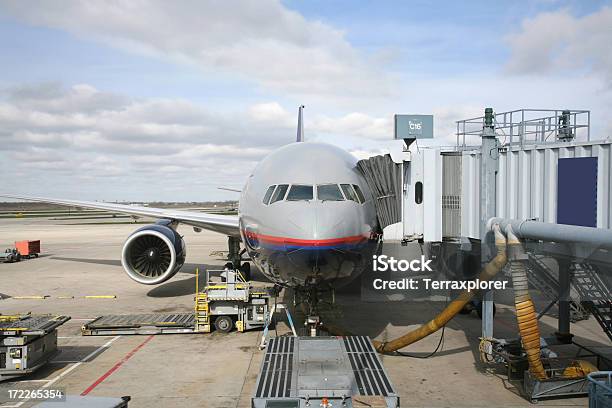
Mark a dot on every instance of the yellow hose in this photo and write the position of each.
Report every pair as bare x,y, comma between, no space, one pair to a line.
525,311
454,307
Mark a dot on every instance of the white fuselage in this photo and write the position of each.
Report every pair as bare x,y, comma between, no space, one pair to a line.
320,224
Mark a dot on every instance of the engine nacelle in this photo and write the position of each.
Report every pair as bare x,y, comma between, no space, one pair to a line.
153,254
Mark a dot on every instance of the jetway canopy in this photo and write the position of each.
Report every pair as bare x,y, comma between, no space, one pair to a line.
384,177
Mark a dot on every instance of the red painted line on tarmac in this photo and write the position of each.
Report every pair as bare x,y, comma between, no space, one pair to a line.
116,366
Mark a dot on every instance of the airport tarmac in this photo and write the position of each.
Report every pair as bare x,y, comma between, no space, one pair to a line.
219,370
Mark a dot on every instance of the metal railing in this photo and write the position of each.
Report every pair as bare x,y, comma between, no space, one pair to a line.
522,126
600,389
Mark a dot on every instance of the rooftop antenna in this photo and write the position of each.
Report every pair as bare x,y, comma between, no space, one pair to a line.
300,127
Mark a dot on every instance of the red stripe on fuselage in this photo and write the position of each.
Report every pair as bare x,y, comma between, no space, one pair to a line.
307,242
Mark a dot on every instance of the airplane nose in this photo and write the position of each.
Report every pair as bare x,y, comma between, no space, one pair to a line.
314,223
329,226
303,223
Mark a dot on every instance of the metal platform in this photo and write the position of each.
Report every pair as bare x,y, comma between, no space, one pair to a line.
27,342
74,401
600,389
30,325
304,371
163,323
555,386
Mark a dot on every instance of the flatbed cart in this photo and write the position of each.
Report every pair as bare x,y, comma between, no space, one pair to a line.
227,301
157,323
28,249
27,342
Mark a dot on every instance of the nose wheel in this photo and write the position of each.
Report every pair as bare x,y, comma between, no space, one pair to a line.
311,298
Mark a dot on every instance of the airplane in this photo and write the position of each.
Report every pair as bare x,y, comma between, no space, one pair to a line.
306,219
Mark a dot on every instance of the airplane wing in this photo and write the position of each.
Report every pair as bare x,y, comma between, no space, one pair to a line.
224,224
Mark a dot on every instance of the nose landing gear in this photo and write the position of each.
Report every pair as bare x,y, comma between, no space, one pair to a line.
312,298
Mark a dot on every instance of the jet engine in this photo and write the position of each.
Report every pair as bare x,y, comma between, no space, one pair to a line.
153,254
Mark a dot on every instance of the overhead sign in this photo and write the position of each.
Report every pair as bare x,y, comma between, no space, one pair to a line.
413,127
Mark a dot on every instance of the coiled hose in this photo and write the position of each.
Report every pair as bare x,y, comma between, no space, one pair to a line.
454,307
525,311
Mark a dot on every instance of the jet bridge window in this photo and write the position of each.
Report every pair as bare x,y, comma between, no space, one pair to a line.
329,192
279,193
266,198
349,192
359,194
300,193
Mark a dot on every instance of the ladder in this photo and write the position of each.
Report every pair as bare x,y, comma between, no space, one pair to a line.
202,315
595,294
202,311
544,280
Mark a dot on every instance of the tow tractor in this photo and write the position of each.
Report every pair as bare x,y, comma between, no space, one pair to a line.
10,255
227,301
22,250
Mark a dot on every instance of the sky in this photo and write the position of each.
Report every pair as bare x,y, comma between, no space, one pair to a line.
150,100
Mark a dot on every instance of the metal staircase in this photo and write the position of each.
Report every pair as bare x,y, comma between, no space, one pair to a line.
594,292
202,315
543,279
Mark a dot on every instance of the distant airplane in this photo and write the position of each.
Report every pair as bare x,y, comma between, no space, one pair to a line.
306,219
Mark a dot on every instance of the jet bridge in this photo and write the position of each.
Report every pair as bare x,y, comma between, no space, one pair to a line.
539,165
539,171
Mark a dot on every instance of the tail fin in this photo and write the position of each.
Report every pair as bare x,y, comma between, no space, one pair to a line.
300,127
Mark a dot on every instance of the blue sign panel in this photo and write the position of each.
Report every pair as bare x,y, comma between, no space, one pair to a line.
577,191
413,126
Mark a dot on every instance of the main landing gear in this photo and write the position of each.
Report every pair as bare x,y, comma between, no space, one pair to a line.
235,258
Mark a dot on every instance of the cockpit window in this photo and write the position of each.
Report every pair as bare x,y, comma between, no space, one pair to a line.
329,192
349,193
299,192
359,193
279,193
266,198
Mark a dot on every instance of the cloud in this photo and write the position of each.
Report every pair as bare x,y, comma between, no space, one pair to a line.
561,42
260,41
80,135
94,143
51,97
173,149
355,124
269,112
